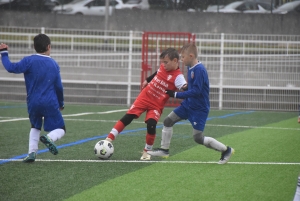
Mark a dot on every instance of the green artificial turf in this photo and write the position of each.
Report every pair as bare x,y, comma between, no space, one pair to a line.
190,173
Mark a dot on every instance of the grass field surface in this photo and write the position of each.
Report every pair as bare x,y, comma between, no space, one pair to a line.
265,166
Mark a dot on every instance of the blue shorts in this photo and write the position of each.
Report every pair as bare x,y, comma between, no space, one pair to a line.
196,117
52,118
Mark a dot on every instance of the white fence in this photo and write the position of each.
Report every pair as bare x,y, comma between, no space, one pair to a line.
253,72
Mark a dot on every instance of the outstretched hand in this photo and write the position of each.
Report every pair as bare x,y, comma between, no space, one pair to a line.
3,47
170,92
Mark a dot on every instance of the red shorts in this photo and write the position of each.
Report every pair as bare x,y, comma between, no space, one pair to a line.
139,107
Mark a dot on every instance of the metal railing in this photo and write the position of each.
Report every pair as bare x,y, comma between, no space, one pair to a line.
104,67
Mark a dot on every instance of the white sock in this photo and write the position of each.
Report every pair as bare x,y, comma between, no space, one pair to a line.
214,144
56,134
166,136
34,137
297,194
148,147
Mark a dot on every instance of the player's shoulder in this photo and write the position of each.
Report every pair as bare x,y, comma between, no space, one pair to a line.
200,67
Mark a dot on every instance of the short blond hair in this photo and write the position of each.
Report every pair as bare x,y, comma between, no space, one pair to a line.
189,48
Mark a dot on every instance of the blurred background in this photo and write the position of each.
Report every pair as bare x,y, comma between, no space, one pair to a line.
105,48
187,5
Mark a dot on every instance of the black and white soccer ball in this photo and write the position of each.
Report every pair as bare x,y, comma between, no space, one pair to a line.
104,149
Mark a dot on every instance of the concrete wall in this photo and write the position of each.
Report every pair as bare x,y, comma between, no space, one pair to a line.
152,20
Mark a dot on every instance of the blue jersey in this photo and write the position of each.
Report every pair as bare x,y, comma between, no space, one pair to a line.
42,78
197,95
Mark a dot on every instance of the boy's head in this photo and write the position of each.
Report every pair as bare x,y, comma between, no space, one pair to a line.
169,58
171,53
189,54
41,43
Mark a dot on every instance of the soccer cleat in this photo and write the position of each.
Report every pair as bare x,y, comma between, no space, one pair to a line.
225,156
49,144
30,158
164,153
145,156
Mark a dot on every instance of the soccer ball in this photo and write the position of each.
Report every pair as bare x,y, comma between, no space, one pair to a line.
104,149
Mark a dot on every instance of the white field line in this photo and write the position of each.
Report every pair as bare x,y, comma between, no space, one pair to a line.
187,123
141,122
67,115
17,119
170,162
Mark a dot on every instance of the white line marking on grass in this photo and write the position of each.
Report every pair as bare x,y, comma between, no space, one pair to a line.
89,113
188,123
67,115
138,161
100,120
17,119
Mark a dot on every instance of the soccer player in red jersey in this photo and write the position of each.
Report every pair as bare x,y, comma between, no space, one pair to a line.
152,98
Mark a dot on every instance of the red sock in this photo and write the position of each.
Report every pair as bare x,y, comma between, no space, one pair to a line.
150,139
119,126
111,136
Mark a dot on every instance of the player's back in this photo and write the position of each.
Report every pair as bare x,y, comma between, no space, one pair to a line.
198,79
42,80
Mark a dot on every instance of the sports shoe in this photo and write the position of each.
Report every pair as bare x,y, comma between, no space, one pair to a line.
164,153
49,143
145,156
225,156
30,158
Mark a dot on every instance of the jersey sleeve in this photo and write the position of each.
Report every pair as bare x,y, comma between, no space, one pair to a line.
196,89
59,89
19,67
151,77
180,81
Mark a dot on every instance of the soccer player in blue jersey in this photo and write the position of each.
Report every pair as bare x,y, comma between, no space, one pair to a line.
45,98
195,107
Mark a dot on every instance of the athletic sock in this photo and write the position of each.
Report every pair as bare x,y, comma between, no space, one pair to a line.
34,137
118,128
166,136
149,142
212,143
56,134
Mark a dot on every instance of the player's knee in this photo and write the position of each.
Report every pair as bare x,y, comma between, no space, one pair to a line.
198,137
168,122
151,126
127,119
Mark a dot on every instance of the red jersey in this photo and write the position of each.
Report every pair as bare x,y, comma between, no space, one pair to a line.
153,97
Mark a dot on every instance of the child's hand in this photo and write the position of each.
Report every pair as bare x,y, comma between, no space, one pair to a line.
3,47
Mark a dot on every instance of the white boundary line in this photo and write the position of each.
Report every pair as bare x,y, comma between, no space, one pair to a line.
220,125
170,162
141,122
67,115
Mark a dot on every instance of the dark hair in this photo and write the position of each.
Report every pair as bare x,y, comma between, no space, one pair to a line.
171,53
41,42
